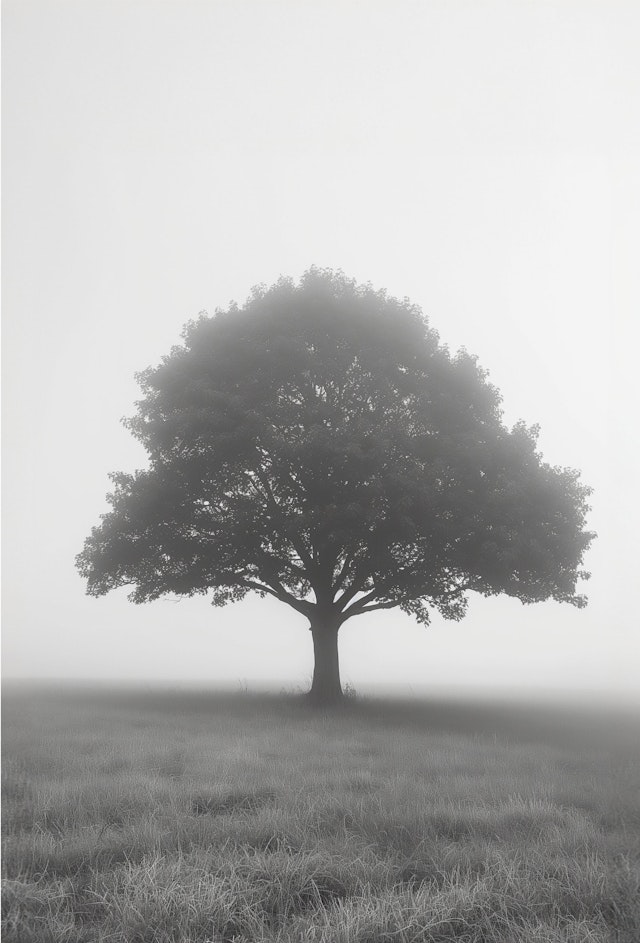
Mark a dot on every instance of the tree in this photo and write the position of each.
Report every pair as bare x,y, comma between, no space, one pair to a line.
319,445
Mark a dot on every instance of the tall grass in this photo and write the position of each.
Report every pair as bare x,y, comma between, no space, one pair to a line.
191,818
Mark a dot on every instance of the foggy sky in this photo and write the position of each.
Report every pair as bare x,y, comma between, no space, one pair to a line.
161,158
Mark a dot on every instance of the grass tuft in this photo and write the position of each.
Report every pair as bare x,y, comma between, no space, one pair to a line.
235,801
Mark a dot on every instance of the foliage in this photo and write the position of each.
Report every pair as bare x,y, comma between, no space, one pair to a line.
321,446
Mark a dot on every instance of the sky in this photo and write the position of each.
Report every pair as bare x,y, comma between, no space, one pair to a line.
161,157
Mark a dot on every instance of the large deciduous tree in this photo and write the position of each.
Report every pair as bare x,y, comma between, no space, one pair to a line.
319,445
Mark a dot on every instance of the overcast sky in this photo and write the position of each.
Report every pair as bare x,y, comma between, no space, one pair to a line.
160,157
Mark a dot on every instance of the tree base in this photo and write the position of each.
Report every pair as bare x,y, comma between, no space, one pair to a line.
325,699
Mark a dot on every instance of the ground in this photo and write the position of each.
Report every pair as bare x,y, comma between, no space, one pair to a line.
186,817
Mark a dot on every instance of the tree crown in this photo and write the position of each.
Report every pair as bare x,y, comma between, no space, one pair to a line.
319,444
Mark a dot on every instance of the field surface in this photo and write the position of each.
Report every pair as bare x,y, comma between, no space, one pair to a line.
151,817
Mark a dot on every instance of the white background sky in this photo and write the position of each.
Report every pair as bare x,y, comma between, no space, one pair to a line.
160,157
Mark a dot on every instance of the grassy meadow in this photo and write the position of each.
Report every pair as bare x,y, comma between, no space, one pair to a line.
186,817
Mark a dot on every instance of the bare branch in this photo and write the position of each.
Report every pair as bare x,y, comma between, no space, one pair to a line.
300,605
357,585
344,569
360,610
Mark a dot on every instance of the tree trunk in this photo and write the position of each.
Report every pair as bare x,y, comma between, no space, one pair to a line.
325,687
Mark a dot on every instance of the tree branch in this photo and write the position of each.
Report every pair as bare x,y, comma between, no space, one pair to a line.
360,610
300,605
279,562
362,605
356,586
344,569
297,546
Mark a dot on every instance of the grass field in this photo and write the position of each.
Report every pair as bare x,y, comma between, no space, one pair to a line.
195,818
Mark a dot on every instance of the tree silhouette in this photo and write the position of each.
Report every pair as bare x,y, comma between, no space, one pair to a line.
319,445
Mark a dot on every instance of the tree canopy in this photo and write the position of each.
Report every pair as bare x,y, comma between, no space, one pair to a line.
321,446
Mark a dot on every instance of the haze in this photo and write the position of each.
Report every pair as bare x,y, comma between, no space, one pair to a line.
160,158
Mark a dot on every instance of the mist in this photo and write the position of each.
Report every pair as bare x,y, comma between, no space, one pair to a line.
160,159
